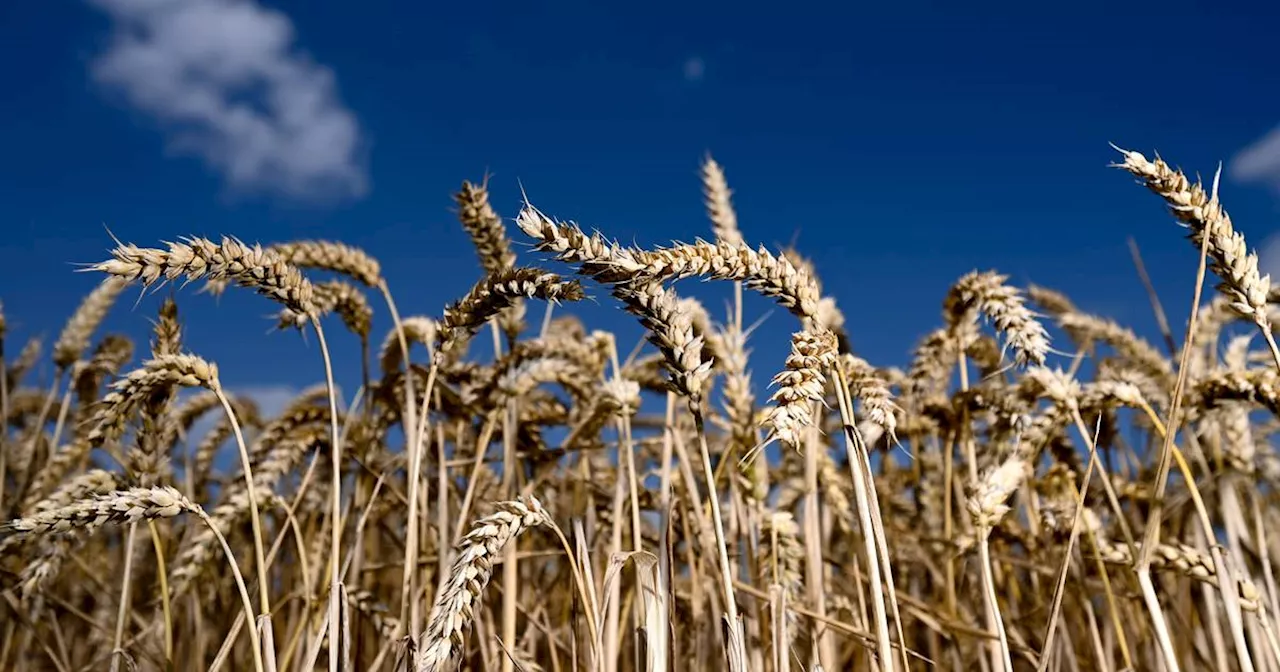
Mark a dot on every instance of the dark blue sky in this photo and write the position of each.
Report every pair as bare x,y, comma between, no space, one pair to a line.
903,143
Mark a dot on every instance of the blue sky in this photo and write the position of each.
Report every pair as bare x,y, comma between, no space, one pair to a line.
901,144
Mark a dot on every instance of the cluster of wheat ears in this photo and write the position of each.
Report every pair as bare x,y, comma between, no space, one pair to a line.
981,509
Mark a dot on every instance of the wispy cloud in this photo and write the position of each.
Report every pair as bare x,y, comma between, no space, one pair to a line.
695,68
1260,161
224,80
1269,258
270,399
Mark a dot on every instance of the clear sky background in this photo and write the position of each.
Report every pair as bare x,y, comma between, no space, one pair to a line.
900,144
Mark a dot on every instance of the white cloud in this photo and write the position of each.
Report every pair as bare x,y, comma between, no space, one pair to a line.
695,69
224,80
270,399
1260,161
1269,258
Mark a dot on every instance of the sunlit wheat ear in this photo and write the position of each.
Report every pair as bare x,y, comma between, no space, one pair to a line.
482,223
1053,384
332,256
620,397
986,294
1149,388
837,492
60,463
588,352
1214,317
712,345
1177,558
1238,445
866,385
1051,301
87,376
498,291
739,410
455,606
813,350
649,372
800,384
128,393
418,329
1258,386
44,563
108,358
784,553
932,363
770,275
79,330
670,328
157,431
25,404
1201,212
195,406
597,257
334,296
324,255
198,258
115,508
988,501
1085,329
83,486
987,505
166,334
121,507
521,380
717,195
489,236
208,446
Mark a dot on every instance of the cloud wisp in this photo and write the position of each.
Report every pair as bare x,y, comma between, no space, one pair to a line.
1260,161
695,68
226,83
1269,258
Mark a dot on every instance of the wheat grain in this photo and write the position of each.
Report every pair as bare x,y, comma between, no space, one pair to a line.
78,332
455,606
1202,214
986,293
194,258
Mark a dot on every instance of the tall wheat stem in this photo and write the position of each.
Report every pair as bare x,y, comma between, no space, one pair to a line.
335,511
254,516
409,617
871,534
163,577
240,585
117,650
726,567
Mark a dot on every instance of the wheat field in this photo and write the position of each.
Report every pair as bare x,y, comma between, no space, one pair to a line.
511,489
